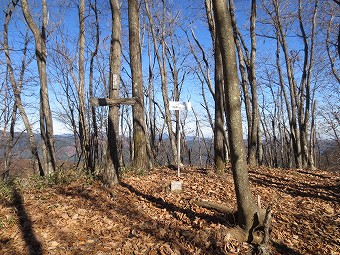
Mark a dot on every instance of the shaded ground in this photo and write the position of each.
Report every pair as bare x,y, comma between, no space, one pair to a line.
142,216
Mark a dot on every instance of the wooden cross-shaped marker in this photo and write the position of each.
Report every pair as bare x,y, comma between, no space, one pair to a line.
112,101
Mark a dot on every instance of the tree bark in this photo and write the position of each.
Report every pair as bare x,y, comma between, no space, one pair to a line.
248,212
252,155
219,132
83,128
112,101
94,155
220,148
112,166
141,159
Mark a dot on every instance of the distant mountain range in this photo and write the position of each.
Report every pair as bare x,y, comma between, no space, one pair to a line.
64,144
66,151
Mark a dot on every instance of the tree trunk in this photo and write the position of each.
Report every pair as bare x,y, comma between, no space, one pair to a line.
83,129
161,59
312,145
248,212
141,159
305,84
17,87
94,155
294,130
219,131
252,157
332,59
172,62
247,65
46,123
112,165
151,123
10,144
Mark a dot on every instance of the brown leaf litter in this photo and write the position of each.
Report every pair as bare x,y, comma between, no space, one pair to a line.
142,216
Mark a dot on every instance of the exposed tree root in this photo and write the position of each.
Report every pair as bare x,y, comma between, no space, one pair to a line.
263,247
260,235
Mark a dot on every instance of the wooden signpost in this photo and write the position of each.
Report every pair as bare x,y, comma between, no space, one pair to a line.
173,105
179,106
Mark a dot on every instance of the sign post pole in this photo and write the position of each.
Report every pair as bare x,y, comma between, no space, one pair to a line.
178,106
179,147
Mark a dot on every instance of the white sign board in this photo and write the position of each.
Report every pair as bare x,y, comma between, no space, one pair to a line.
178,106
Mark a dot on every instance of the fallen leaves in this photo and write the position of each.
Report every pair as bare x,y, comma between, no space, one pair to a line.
142,216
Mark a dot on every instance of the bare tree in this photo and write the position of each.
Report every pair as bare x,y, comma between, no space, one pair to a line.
298,98
80,86
67,96
220,150
150,96
141,159
158,38
112,166
94,146
8,117
247,64
17,86
249,214
46,122
331,45
338,2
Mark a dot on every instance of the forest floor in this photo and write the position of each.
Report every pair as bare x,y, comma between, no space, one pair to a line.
142,216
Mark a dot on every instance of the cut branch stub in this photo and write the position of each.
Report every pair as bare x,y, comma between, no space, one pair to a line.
112,101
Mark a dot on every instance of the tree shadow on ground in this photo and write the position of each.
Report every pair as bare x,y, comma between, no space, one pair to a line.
228,219
284,249
26,226
139,222
297,187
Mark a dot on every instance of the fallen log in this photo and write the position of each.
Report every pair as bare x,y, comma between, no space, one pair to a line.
213,205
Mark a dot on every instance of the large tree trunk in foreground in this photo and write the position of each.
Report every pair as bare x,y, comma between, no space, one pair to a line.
248,211
141,159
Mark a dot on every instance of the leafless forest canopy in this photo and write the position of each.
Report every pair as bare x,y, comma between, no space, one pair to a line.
56,55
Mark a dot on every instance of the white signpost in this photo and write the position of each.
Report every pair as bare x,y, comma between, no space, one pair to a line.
179,106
